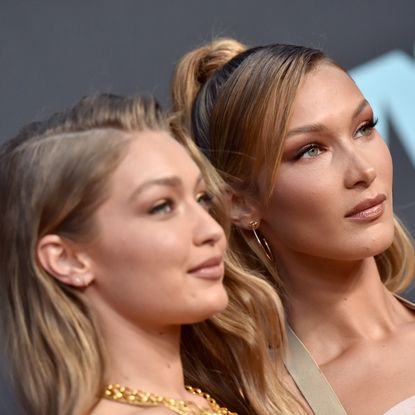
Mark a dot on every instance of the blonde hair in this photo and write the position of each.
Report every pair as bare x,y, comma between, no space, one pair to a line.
238,116
254,319
233,348
53,176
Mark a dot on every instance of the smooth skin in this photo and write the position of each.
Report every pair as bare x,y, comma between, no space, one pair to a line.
142,272
359,334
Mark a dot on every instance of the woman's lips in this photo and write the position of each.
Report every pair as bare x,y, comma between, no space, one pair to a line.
368,209
210,269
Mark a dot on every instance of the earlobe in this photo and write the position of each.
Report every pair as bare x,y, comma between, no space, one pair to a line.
243,211
62,261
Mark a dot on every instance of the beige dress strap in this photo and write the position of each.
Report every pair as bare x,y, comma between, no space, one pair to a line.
405,302
309,379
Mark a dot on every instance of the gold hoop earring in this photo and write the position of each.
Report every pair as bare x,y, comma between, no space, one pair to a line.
254,225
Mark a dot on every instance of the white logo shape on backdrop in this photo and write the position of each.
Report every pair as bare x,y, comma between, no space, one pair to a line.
388,83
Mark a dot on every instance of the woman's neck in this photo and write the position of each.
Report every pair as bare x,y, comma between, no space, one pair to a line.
332,305
147,359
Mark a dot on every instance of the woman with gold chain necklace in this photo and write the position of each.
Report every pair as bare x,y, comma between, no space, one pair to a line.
112,260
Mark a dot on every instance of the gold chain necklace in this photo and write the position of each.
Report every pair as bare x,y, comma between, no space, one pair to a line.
124,394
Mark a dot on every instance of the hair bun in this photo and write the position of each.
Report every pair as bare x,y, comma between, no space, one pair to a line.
217,54
195,69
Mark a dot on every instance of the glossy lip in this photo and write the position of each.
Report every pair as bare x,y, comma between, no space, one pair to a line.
369,209
209,269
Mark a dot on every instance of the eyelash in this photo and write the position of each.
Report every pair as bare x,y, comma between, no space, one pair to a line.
368,125
305,149
161,207
205,199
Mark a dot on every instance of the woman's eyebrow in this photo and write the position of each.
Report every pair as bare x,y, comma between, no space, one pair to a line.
199,180
311,128
317,128
360,108
171,181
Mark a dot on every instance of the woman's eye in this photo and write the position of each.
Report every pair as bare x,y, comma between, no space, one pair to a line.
165,206
309,151
205,199
367,128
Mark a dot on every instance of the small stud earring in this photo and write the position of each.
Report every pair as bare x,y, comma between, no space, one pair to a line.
78,281
254,224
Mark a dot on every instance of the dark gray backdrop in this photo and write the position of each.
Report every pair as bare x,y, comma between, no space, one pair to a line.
52,52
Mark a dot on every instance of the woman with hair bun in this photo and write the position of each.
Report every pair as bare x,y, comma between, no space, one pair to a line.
310,184
112,288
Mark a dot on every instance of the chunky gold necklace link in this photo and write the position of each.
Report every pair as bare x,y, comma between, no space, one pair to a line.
124,394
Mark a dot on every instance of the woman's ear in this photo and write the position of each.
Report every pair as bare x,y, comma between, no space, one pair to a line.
63,261
243,211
